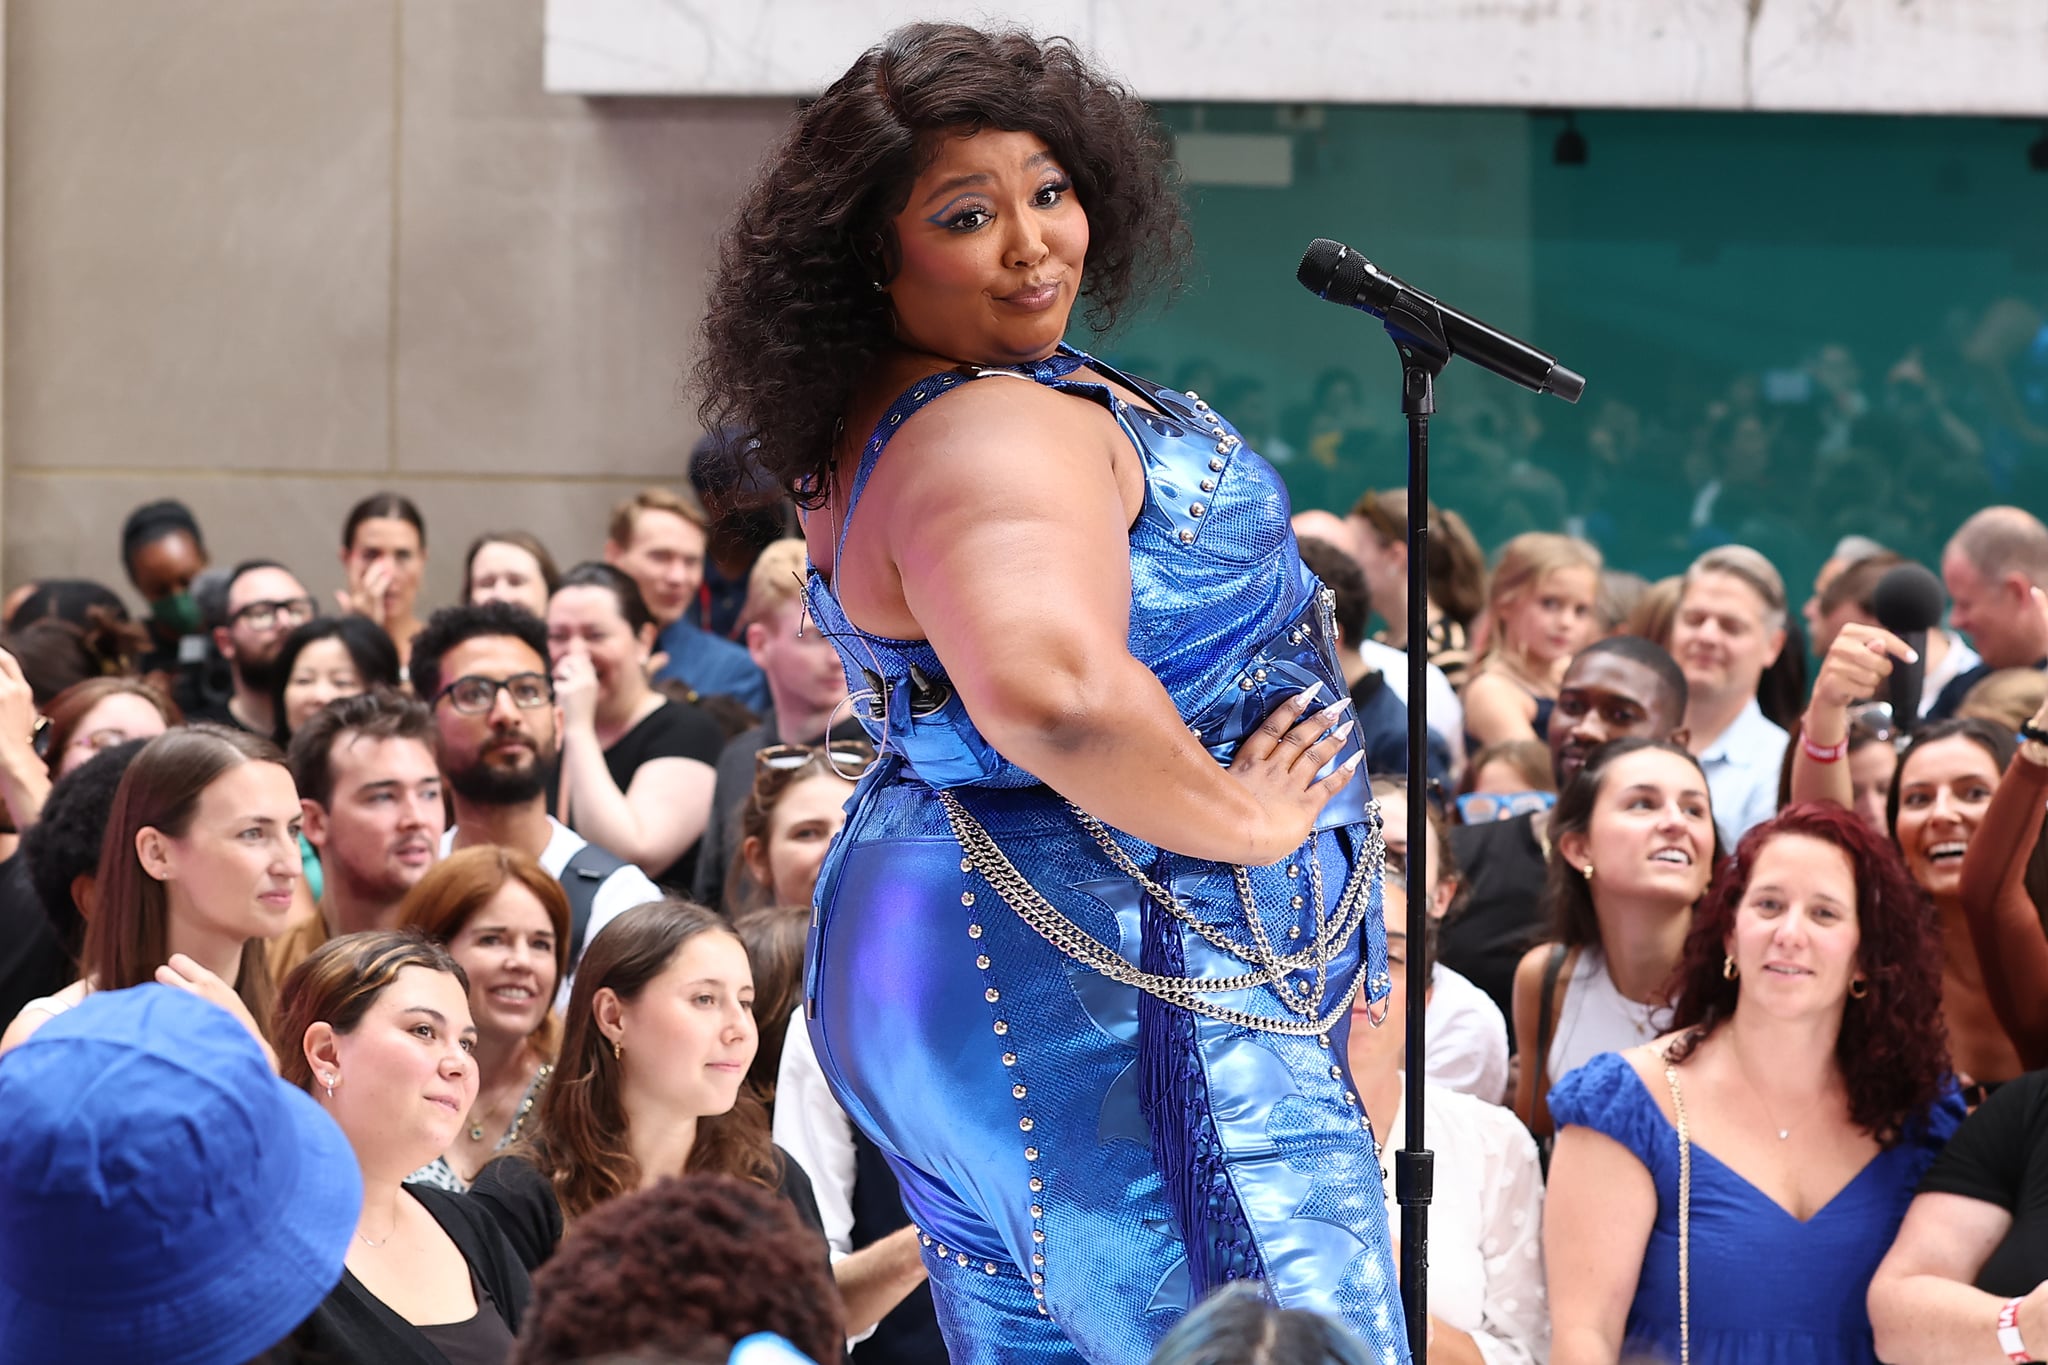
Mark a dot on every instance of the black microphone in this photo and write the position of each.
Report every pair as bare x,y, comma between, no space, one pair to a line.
1907,602
1330,270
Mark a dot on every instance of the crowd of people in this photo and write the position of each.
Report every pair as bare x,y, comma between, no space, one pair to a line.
520,904
442,983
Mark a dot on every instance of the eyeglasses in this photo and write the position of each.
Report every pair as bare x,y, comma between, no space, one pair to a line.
849,759
473,696
100,739
1483,808
295,611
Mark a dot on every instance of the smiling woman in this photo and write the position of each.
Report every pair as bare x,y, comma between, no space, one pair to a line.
198,868
923,234
1785,1121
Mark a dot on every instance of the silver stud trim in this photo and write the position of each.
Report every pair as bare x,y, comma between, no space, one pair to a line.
1009,1059
1187,537
1031,1154
1016,1092
982,962
1196,509
1209,486
1216,466
991,995
974,931
967,898
1002,1027
1026,1124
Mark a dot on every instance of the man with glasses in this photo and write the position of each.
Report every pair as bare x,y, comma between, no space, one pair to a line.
1617,688
265,602
483,670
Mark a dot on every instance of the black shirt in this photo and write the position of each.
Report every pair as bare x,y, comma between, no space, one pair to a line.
33,962
353,1324
672,730
522,1202
1502,917
2000,1156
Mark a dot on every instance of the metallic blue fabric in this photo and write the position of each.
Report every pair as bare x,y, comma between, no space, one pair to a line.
1084,1160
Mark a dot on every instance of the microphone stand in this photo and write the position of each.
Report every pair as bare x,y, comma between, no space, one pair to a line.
1418,335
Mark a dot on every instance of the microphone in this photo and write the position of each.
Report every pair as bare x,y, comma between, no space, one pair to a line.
1330,270
1907,602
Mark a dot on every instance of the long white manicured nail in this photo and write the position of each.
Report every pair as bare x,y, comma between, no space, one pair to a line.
1302,699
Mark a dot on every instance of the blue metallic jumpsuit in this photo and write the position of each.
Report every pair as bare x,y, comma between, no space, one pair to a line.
1000,988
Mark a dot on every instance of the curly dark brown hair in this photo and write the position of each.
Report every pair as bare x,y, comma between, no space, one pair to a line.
1893,1048
795,321
669,1268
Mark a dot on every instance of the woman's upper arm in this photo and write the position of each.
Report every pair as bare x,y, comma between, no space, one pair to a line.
1010,541
1949,1236
1496,710
1597,1218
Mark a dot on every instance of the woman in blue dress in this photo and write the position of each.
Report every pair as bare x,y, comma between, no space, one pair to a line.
1725,1193
1083,956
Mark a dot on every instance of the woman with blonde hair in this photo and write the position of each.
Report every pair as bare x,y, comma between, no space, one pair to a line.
199,867
1539,614
506,921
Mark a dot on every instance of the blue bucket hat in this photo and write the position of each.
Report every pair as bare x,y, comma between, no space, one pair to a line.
164,1197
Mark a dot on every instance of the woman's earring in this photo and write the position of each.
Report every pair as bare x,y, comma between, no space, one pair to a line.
618,1049
1859,988
879,287
328,1081
1728,968
1587,871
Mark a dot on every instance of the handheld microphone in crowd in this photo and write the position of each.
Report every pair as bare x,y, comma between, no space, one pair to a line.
1907,602
1330,270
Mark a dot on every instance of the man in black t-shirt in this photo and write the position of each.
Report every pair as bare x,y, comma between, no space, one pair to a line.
1618,688
265,603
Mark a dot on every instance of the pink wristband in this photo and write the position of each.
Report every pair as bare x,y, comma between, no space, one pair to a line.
2009,1332
1823,753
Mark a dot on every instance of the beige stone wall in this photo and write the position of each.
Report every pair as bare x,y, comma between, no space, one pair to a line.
270,255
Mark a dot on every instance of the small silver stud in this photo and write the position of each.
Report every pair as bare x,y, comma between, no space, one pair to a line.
1036,1184
1031,1154
1245,684
1336,1073
967,898
961,1258
1200,406
967,864
1016,1092
1259,673
1223,446
1196,509
1037,1278
1350,1098
1026,1124
989,1266
991,995
1209,486
1294,869
1323,1038
943,1253
1037,1211
1038,1235
982,962
922,1237
1009,1059
1296,902
1294,930
1187,537
974,931
1001,1027
1216,466
1037,1259
1194,397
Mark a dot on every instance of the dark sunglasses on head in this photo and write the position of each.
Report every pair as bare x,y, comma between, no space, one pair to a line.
473,696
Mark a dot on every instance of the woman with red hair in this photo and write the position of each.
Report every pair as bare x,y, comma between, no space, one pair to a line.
1784,1122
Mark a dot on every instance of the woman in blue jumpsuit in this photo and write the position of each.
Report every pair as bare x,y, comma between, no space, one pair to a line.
1084,954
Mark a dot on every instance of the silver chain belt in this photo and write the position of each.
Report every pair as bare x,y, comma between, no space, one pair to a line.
986,858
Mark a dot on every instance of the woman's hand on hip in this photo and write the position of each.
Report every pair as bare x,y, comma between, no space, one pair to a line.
1278,763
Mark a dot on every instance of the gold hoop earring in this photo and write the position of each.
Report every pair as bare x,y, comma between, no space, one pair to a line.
1728,969
1859,988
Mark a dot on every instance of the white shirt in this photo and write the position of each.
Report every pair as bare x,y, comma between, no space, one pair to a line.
1485,1225
1446,717
1468,1038
1742,772
625,888
1959,660
1598,1018
814,1130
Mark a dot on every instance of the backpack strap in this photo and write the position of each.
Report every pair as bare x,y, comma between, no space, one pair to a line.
582,875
